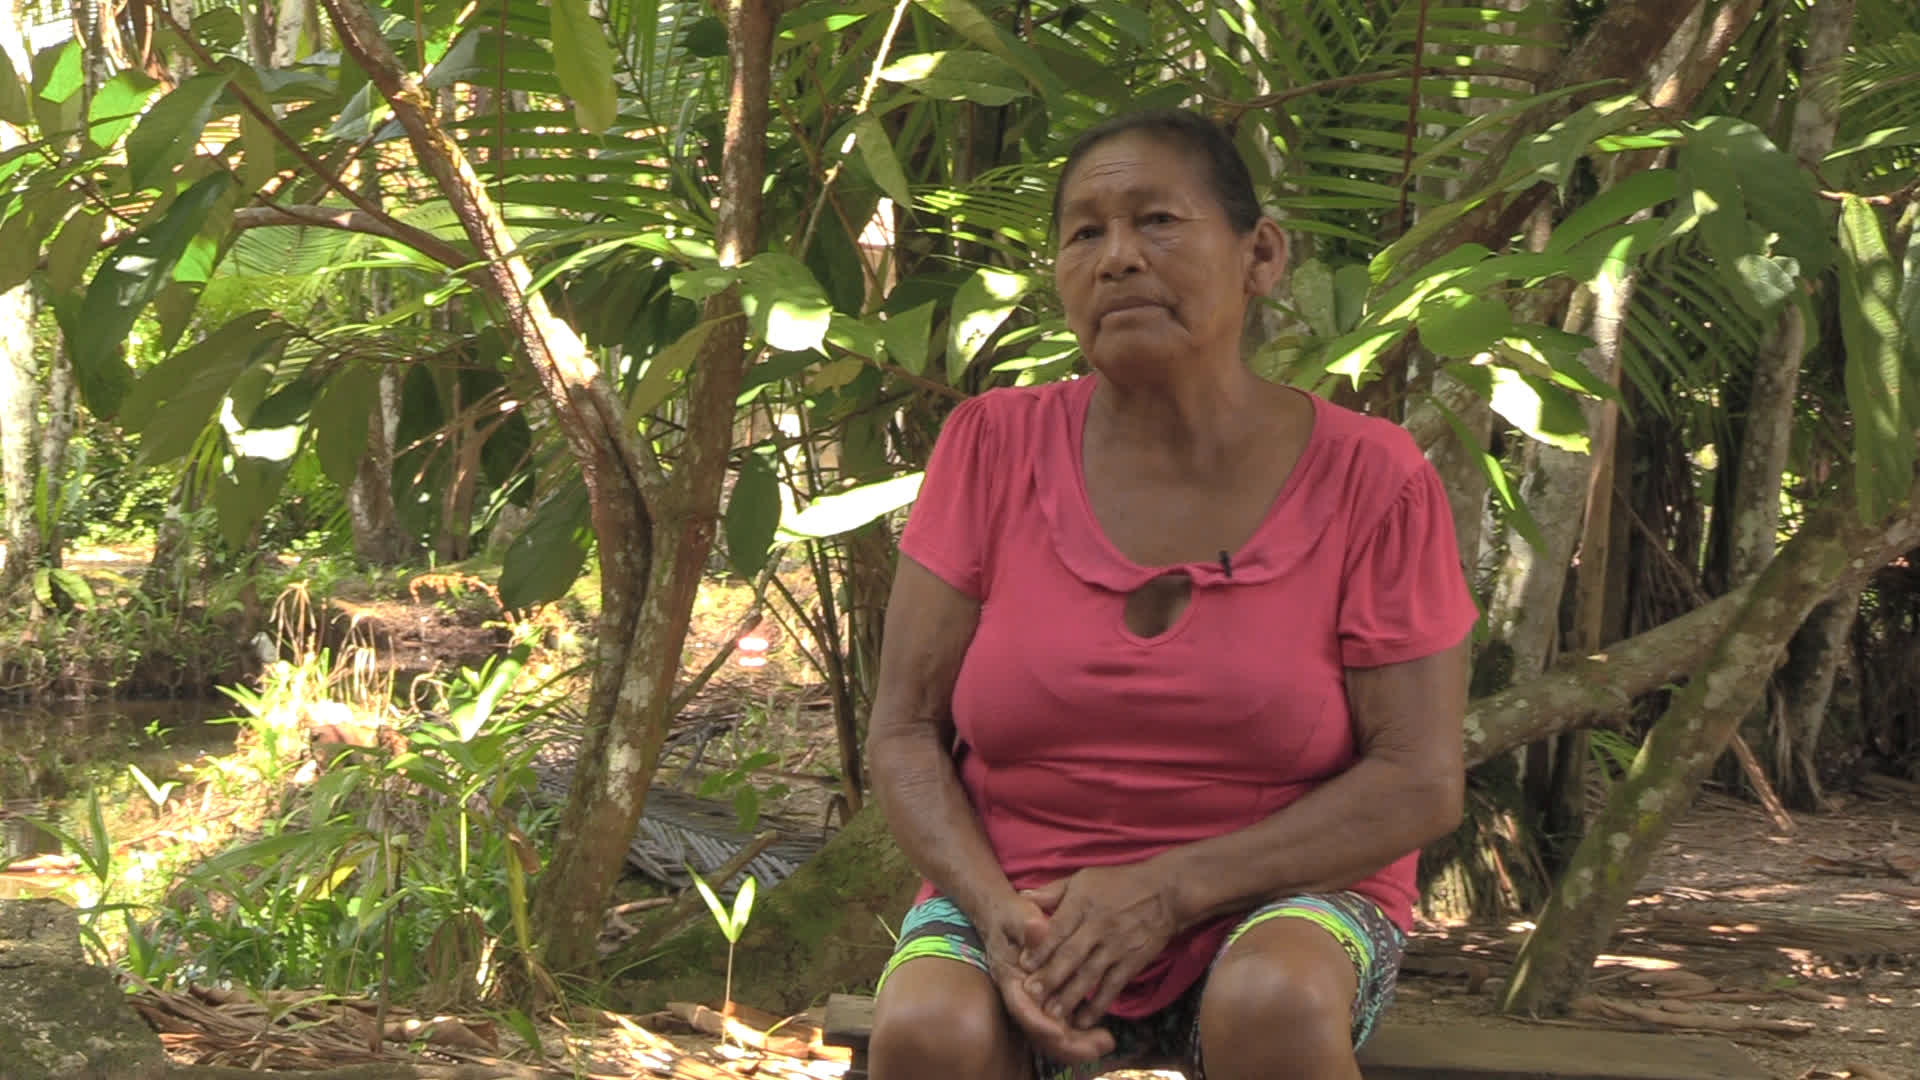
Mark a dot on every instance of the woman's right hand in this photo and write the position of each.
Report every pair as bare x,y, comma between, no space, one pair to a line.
1016,925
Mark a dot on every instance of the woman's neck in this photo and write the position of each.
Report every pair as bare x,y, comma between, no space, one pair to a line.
1197,419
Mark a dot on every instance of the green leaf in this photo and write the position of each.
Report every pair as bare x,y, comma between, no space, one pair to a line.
13,95
1540,407
339,421
981,304
876,151
1876,350
785,306
958,75
260,162
1774,191
1767,281
72,251
242,497
753,516
1629,196
720,916
139,267
1351,284
1552,153
1457,324
831,515
1516,508
906,337
116,105
743,900
543,562
583,62
1313,295
59,71
982,32
71,585
665,367
166,135
1352,354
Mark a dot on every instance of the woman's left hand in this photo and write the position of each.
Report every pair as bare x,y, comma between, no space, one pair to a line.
1106,924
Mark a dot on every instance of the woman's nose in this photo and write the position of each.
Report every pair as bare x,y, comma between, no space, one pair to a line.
1119,252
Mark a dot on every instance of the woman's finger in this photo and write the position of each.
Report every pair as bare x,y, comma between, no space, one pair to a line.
1055,1039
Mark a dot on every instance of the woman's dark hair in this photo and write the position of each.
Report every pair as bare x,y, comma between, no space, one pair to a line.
1226,170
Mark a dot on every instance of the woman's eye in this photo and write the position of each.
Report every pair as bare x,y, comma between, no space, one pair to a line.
1158,217
1084,232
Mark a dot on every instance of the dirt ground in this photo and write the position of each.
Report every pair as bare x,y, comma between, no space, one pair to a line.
1802,947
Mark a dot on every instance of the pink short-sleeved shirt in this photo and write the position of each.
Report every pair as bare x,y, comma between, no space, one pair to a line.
1083,744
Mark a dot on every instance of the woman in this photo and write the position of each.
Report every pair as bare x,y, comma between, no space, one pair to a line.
1173,678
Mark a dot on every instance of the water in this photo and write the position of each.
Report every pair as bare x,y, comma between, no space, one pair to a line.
49,756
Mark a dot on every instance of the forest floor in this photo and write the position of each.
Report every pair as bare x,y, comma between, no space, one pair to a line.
1802,946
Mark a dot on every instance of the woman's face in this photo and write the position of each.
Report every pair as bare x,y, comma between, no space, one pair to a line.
1149,269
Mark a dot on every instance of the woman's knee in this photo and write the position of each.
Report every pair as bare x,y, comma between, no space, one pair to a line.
939,1018
1283,980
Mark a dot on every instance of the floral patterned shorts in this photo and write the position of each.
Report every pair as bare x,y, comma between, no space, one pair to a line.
936,927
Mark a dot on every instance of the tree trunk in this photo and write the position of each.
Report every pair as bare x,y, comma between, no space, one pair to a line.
19,431
1768,434
1814,660
56,438
292,23
377,536
1833,548
165,580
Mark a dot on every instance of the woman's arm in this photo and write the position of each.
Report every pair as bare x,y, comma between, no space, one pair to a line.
1404,791
910,739
909,744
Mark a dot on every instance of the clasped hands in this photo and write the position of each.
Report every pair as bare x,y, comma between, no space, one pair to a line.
1061,953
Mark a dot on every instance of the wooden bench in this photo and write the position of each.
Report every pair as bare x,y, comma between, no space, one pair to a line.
1459,1051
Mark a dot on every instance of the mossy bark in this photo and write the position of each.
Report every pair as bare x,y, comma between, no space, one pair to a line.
1830,550
828,927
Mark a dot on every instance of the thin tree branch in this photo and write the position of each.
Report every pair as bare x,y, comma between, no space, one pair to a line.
419,239
318,217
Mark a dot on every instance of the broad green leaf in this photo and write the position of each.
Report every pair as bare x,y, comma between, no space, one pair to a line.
261,161
59,71
242,497
19,251
958,75
753,515
1766,281
1553,153
831,515
664,368
1352,354
1884,139
72,251
1350,286
836,373
1516,508
982,32
1540,407
166,135
876,151
1629,196
1774,191
906,336
543,562
1313,295
174,400
583,62
75,587
339,421
785,306
116,105
13,95
980,305
697,285
1456,324
138,267
1876,354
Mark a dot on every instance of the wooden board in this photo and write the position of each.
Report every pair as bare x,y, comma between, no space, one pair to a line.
1522,1052
1465,1051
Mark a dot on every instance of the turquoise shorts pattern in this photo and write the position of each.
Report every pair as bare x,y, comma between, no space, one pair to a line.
1372,942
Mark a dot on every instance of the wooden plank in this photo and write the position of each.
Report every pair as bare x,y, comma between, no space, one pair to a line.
1465,1051
1519,1052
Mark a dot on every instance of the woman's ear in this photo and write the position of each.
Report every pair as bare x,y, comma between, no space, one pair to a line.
1268,261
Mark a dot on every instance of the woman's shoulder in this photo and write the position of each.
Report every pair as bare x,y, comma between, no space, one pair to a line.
1012,417
1366,443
